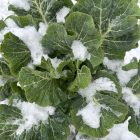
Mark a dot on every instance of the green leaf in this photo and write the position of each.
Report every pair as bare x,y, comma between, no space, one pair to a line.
134,83
7,115
23,21
40,88
116,21
83,25
134,123
58,128
132,65
82,80
113,112
4,69
42,10
5,91
15,52
57,39
2,25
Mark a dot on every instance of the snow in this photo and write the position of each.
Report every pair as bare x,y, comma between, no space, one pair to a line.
22,4
4,13
132,100
30,36
74,1
42,28
4,102
32,115
120,132
79,51
116,66
91,114
60,15
97,85
55,62
2,81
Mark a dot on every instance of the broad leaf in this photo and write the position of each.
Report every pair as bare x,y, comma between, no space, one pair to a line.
40,88
57,39
83,25
82,80
42,10
15,52
112,112
114,20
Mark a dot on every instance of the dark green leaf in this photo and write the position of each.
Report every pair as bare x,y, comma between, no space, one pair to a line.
15,52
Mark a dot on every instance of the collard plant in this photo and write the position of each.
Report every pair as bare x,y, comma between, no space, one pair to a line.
107,28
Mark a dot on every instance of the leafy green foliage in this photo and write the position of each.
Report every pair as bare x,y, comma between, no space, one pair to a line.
105,28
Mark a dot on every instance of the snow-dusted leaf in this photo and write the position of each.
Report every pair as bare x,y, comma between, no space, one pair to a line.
112,111
15,52
2,25
57,39
114,20
42,10
134,83
82,80
114,79
7,115
83,25
23,21
40,88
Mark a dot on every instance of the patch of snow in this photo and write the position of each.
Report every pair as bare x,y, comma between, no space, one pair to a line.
42,28
32,115
91,115
4,102
61,14
79,136
22,4
116,66
132,100
97,85
18,84
2,81
120,132
4,12
74,1
30,37
131,54
79,51
55,62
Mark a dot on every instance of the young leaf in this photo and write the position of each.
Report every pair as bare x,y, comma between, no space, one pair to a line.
40,88
82,80
15,52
